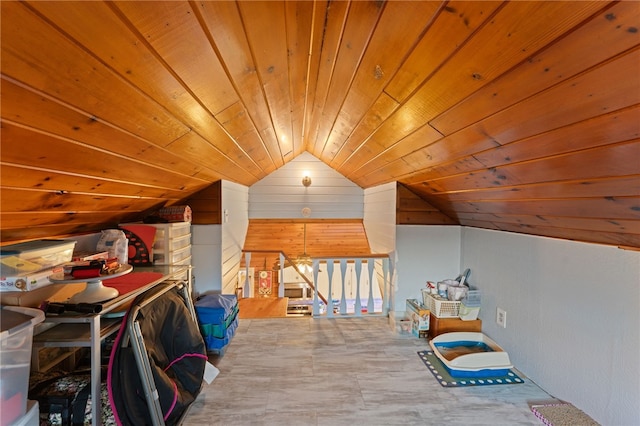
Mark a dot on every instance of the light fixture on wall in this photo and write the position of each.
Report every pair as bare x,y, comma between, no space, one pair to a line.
306,181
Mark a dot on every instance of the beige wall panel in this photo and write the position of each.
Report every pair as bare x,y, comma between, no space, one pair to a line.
623,186
227,32
47,151
619,225
399,28
617,239
77,77
299,20
452,26
606,35
173,30
602,207
379,111
54,218
327,49
199,151
16,200
361,20
36,178
33,109
583,165
505,41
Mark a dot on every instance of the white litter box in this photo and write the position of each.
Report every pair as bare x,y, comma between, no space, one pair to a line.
467,354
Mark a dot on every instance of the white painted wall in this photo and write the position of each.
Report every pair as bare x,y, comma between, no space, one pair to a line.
205,258
380,217
380,225
235,223
282,195
216,249
573,316
424,253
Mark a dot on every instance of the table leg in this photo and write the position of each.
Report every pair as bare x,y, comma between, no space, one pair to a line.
96,379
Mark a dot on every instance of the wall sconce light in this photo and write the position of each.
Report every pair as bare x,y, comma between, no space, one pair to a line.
306,181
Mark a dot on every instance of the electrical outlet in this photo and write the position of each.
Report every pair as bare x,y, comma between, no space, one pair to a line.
501,318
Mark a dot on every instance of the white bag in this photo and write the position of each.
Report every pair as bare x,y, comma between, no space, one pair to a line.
115,243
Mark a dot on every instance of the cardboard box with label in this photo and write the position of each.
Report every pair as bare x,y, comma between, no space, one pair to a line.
419,315
28,282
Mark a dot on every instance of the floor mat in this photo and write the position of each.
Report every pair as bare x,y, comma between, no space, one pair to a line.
562,415
445,379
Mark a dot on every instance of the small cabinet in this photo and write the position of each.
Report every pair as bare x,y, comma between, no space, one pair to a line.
292,276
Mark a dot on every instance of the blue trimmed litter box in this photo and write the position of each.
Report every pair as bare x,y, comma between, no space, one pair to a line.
466,354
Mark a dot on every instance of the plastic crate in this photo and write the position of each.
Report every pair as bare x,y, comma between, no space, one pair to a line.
472,299
440,307
16,340
33,256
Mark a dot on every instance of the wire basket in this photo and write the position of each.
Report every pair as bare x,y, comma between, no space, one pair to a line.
440,307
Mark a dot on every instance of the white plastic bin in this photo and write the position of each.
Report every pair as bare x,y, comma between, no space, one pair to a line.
16,340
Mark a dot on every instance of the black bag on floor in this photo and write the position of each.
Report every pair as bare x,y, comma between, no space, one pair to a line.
65,399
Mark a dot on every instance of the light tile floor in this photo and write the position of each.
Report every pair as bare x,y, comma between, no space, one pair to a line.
348,371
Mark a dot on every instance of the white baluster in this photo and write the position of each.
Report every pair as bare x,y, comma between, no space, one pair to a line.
370,306
358,305
281,275
343,299
316,303
330,295
247,262
386,288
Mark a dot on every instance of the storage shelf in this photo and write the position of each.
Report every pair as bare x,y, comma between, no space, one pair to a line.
74,334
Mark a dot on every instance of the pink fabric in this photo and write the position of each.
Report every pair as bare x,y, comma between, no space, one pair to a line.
116,343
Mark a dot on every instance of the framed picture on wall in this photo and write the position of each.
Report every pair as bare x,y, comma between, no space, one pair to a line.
265,284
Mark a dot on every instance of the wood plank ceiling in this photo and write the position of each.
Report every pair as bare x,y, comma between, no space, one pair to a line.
518,116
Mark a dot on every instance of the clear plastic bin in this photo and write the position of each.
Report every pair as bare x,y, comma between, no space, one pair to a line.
16,339
33,256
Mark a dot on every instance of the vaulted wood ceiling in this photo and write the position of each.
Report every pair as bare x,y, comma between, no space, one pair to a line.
519,116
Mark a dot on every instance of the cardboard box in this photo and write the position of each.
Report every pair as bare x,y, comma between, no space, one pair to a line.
448,325
28,282
419,315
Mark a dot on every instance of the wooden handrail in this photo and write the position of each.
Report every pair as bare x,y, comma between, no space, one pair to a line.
293,264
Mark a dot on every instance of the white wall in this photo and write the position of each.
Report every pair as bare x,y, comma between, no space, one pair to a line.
216,249
573,322
205,258
235,223
282,195
424,253
380,217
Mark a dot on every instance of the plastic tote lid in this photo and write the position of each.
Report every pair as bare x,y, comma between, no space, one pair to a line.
14,319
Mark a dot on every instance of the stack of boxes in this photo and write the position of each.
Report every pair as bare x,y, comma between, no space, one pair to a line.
445,316
419,317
